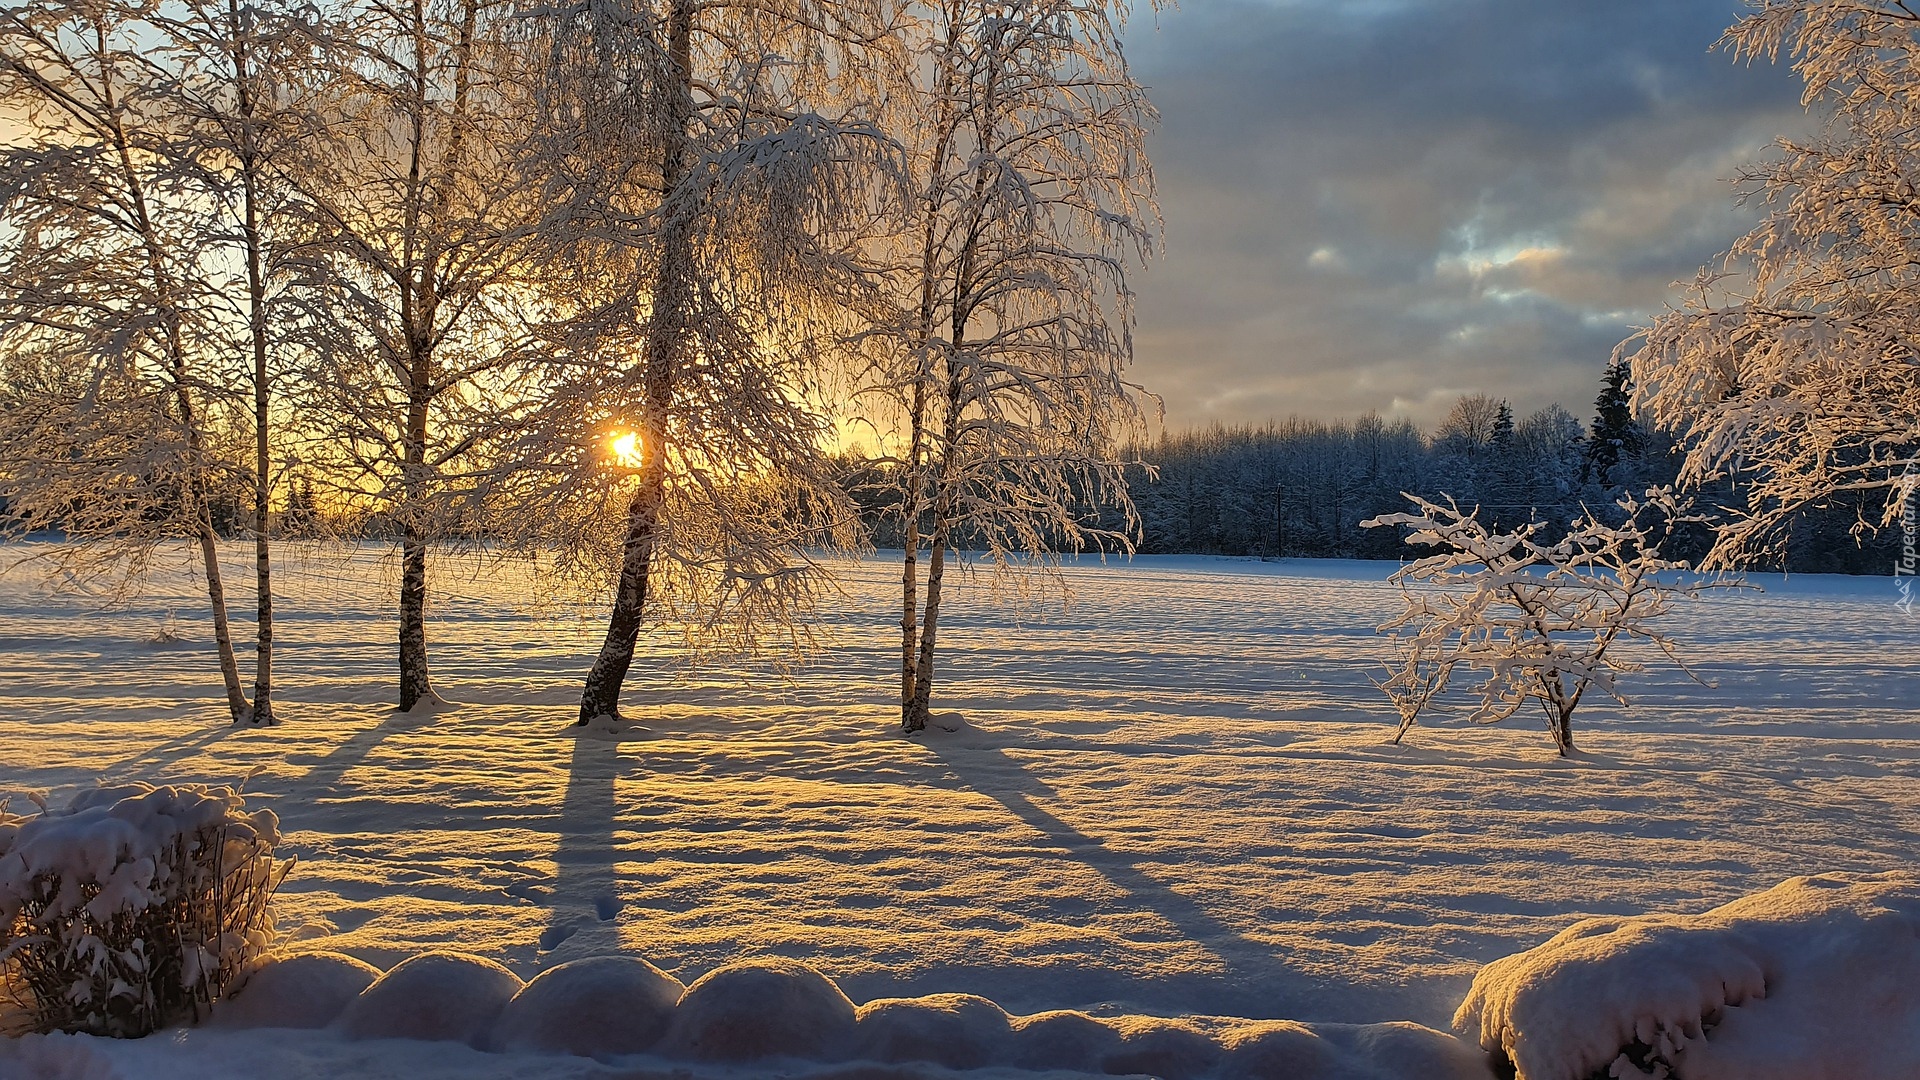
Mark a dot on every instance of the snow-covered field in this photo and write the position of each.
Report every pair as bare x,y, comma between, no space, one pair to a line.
1173,797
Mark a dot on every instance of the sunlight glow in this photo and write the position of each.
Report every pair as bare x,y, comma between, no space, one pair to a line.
625,446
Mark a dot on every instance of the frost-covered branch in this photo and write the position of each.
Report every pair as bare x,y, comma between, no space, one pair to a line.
1542,622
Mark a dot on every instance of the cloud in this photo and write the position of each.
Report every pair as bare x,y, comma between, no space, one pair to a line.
1373,200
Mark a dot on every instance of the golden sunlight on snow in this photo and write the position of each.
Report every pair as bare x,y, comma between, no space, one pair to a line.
1176,795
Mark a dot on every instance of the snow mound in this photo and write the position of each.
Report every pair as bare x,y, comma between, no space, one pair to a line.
55,1055
959,1031
309,990
438,995
599,1006
1169,1049
1283,1050
761,1008
1062,1039
1817,978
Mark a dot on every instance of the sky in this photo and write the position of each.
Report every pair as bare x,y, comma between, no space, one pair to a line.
1384,204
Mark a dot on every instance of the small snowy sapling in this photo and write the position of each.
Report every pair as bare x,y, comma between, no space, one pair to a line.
1543,621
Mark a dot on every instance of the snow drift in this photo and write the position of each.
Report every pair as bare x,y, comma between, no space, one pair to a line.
777,1010
1817,978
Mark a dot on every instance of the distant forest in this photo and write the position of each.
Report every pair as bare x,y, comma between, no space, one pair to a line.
1300,488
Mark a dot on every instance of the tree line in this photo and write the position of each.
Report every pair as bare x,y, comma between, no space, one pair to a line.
1301,488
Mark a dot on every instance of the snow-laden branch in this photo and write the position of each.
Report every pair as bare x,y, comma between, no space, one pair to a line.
1541,622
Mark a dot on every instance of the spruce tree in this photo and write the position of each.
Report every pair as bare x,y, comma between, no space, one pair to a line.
1614,432
1503,428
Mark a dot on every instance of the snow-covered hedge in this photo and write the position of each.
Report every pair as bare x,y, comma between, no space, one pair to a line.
132,907
776,1010
1817,978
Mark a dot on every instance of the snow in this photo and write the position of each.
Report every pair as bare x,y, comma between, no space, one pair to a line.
434,996
303,990
1815,979
759,1009
597,1006
1172,800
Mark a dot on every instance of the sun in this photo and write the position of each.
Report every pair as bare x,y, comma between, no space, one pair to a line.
626,449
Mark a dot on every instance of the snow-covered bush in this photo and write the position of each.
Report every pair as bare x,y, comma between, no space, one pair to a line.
1817,978
765,1007
1543,621
597,1006
132,907
309,990
450,996
958,1031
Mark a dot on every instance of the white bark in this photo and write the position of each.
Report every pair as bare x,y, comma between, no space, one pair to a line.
1004,359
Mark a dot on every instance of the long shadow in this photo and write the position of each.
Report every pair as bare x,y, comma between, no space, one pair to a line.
328,771
158,757
586,891
1253,974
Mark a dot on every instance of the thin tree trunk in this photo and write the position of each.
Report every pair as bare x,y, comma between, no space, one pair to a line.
217,595
909,609
919,710
262,712
183,400
913,714
416,685
666,332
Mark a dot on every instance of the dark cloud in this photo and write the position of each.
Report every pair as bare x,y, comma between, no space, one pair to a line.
1381,204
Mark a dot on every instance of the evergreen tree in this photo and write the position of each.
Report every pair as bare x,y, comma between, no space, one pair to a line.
1614,433
1503,428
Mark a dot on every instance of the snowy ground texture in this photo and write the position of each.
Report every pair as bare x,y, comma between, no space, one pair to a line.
1172,799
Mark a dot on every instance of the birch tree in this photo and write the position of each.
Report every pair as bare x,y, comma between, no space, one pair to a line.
232,59
710,161
124,350
1792,365
1004,363
416,276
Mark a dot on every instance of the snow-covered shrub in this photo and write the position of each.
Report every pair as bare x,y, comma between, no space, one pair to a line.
1284,1050
132,907
598,1006
1171,1049
449,996
1061,1039
1817,978
309,990
959,1031
1544,622
759,1009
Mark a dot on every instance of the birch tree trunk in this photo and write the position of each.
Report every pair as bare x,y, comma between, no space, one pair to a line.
249,159
666,335
416,686
167,300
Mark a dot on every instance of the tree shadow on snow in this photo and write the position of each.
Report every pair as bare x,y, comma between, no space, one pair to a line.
325,773
155,759
1250,975
585,890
